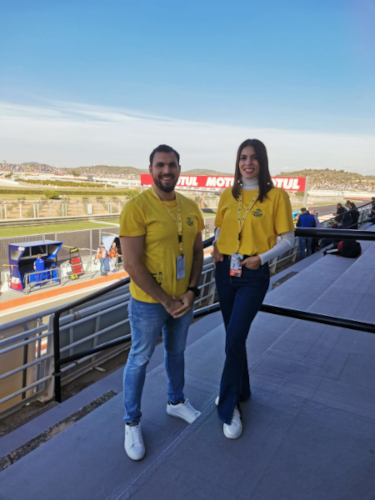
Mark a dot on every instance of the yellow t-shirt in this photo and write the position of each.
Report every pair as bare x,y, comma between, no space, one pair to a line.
263,224
146,215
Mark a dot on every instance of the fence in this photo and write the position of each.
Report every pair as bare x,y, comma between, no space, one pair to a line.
37,209
26,345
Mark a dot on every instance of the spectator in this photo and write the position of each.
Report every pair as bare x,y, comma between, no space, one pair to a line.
318,224
342,218
113,254
305,220
354,214
372,213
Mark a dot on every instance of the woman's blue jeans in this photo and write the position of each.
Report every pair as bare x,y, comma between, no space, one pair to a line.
147,321
240,300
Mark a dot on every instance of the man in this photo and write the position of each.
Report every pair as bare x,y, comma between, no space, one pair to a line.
305,220
354,214
342,218
160,235
101,255
39,267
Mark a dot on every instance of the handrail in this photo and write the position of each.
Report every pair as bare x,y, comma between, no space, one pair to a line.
336,234
283,311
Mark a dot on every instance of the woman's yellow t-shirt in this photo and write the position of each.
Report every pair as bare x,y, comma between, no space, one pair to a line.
146,215
263,224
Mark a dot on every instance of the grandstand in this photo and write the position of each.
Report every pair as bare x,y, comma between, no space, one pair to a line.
309,426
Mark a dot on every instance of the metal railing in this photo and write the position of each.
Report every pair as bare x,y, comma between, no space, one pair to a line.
82,335
48,276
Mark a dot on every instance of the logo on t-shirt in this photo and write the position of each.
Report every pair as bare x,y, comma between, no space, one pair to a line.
189,222
257,213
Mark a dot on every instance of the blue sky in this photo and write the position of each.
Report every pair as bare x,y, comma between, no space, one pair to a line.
247,67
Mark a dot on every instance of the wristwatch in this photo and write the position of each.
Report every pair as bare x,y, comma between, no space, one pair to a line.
195,290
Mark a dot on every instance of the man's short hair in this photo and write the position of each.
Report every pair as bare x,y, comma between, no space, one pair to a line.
39,255
339,205
303,209
163,148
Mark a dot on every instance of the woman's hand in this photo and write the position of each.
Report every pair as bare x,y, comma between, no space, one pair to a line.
216,255
252,262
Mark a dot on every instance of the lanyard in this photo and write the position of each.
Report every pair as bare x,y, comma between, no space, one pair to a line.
178,222
240,221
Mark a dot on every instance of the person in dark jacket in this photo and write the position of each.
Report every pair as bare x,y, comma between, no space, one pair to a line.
354,214
305,220
342,218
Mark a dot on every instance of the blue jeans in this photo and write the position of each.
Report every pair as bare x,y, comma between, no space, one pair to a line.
103,269
304,243
240,300
147,321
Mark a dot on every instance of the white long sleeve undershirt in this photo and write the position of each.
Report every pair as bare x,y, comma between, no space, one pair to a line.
286,240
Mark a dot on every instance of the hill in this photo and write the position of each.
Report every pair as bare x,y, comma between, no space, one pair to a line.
328,176
104,170
204,171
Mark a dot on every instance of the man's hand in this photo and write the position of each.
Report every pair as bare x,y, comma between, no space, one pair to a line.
252,262
216,255
185,302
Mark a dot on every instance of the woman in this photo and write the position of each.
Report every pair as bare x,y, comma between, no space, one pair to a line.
250,217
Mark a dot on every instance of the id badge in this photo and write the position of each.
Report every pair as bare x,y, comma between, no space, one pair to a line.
180,267
235,268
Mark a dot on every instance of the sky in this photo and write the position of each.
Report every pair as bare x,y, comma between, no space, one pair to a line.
104,82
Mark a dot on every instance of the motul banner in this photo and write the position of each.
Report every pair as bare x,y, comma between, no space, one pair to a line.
222,182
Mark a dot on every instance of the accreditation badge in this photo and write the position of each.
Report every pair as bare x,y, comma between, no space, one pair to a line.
235,265
180,267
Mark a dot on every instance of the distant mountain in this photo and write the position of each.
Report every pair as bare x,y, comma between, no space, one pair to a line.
36,164
204,171
329,176
104,170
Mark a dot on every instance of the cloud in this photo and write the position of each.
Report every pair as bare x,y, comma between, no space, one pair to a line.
73,134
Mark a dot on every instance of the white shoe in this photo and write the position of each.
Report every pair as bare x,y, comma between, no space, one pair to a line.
234,430
134,445
217,400
183,410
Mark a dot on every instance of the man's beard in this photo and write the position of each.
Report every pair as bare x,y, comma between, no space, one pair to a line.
166,189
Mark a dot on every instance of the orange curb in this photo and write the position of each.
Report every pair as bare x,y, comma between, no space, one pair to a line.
62,291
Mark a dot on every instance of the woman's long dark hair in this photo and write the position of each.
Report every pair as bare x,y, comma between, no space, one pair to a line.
264,179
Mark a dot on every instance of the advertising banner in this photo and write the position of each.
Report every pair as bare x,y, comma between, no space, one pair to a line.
222,182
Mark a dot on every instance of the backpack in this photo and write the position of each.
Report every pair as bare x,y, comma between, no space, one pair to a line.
346,248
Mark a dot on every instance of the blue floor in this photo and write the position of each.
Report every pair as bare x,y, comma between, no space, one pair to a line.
309,429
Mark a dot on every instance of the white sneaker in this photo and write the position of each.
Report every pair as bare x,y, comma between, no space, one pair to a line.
183,410
234,430
134,445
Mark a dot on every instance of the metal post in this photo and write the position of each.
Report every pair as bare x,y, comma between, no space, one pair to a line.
306,189
56,355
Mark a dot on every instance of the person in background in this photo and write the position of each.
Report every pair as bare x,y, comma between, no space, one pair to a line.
250,217
342,218
354,213
113,254
39,267
102,255
305,243
318,224
372,213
